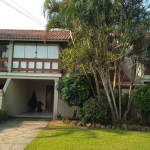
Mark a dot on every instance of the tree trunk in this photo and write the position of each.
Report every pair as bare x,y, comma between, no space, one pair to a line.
105,84
115,76
114,119
112,95
119,92
130,92
129,103
96,80
89,80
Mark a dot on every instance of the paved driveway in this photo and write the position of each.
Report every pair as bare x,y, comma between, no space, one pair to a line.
17,133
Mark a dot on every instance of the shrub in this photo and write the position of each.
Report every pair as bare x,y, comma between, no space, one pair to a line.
142,101
95,110
74,90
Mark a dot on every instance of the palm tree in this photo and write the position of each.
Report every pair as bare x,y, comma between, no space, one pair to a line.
102,31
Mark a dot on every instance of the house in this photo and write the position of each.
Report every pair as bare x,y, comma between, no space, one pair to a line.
27,64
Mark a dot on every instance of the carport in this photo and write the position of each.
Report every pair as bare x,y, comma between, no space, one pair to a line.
17,93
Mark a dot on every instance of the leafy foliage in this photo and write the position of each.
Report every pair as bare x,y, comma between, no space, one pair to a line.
103,32
74,90
95,110
142,102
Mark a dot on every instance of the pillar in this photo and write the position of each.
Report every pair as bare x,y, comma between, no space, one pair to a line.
55,108
10,56
1,99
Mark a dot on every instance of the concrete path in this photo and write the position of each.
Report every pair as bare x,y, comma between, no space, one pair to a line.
17,133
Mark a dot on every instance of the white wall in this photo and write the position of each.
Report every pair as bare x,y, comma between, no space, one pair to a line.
127,67
16,97
19,91
39,86
65,110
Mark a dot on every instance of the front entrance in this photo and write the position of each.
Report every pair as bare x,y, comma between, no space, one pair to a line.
49,98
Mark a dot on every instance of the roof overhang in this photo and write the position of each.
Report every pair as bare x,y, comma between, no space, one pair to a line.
38,40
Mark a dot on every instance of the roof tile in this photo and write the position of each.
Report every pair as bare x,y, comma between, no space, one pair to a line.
34,34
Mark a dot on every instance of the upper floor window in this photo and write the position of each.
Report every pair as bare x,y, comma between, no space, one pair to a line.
36,50
4,49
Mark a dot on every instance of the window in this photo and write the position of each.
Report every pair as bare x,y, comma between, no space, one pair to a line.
53,52
4,50
19,51
30,50
33,50
41,51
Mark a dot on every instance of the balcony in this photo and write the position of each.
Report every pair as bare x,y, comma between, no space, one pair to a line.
3,64
31,65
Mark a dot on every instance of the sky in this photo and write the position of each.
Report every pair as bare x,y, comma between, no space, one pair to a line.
12,19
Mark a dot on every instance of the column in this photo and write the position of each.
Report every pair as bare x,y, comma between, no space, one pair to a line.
10,56
55,108
1,99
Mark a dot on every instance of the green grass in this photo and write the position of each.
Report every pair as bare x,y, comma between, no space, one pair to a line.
65,137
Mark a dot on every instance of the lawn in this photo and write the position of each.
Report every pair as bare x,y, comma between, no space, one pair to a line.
65,137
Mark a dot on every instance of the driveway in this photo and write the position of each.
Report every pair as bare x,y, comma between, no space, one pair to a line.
17,133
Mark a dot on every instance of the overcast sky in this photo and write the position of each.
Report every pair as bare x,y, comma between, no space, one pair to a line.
12,19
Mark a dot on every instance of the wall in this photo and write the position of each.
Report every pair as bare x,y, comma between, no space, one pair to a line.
39,86
127,67
16,97
128,70
65,110
19,92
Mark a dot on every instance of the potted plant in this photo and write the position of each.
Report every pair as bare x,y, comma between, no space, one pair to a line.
32,102
39,106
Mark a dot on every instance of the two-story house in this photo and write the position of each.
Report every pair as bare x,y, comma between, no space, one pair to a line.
28,63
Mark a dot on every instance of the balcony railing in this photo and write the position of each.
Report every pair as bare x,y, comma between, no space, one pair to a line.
3,64
36,65
31,65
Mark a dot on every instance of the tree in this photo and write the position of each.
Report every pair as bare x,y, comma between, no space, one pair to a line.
74,90
95,110
142,102
103,32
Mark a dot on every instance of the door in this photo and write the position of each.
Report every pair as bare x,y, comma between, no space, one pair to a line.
49,98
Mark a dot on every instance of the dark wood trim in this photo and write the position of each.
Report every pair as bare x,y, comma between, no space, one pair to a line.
2,68
35,69
51,105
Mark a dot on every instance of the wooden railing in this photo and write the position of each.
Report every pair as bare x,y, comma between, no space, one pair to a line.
31,65
35,65
3,64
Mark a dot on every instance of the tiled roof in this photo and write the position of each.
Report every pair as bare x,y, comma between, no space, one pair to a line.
34,35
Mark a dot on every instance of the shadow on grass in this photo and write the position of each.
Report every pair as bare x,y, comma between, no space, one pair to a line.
67,130
122,132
